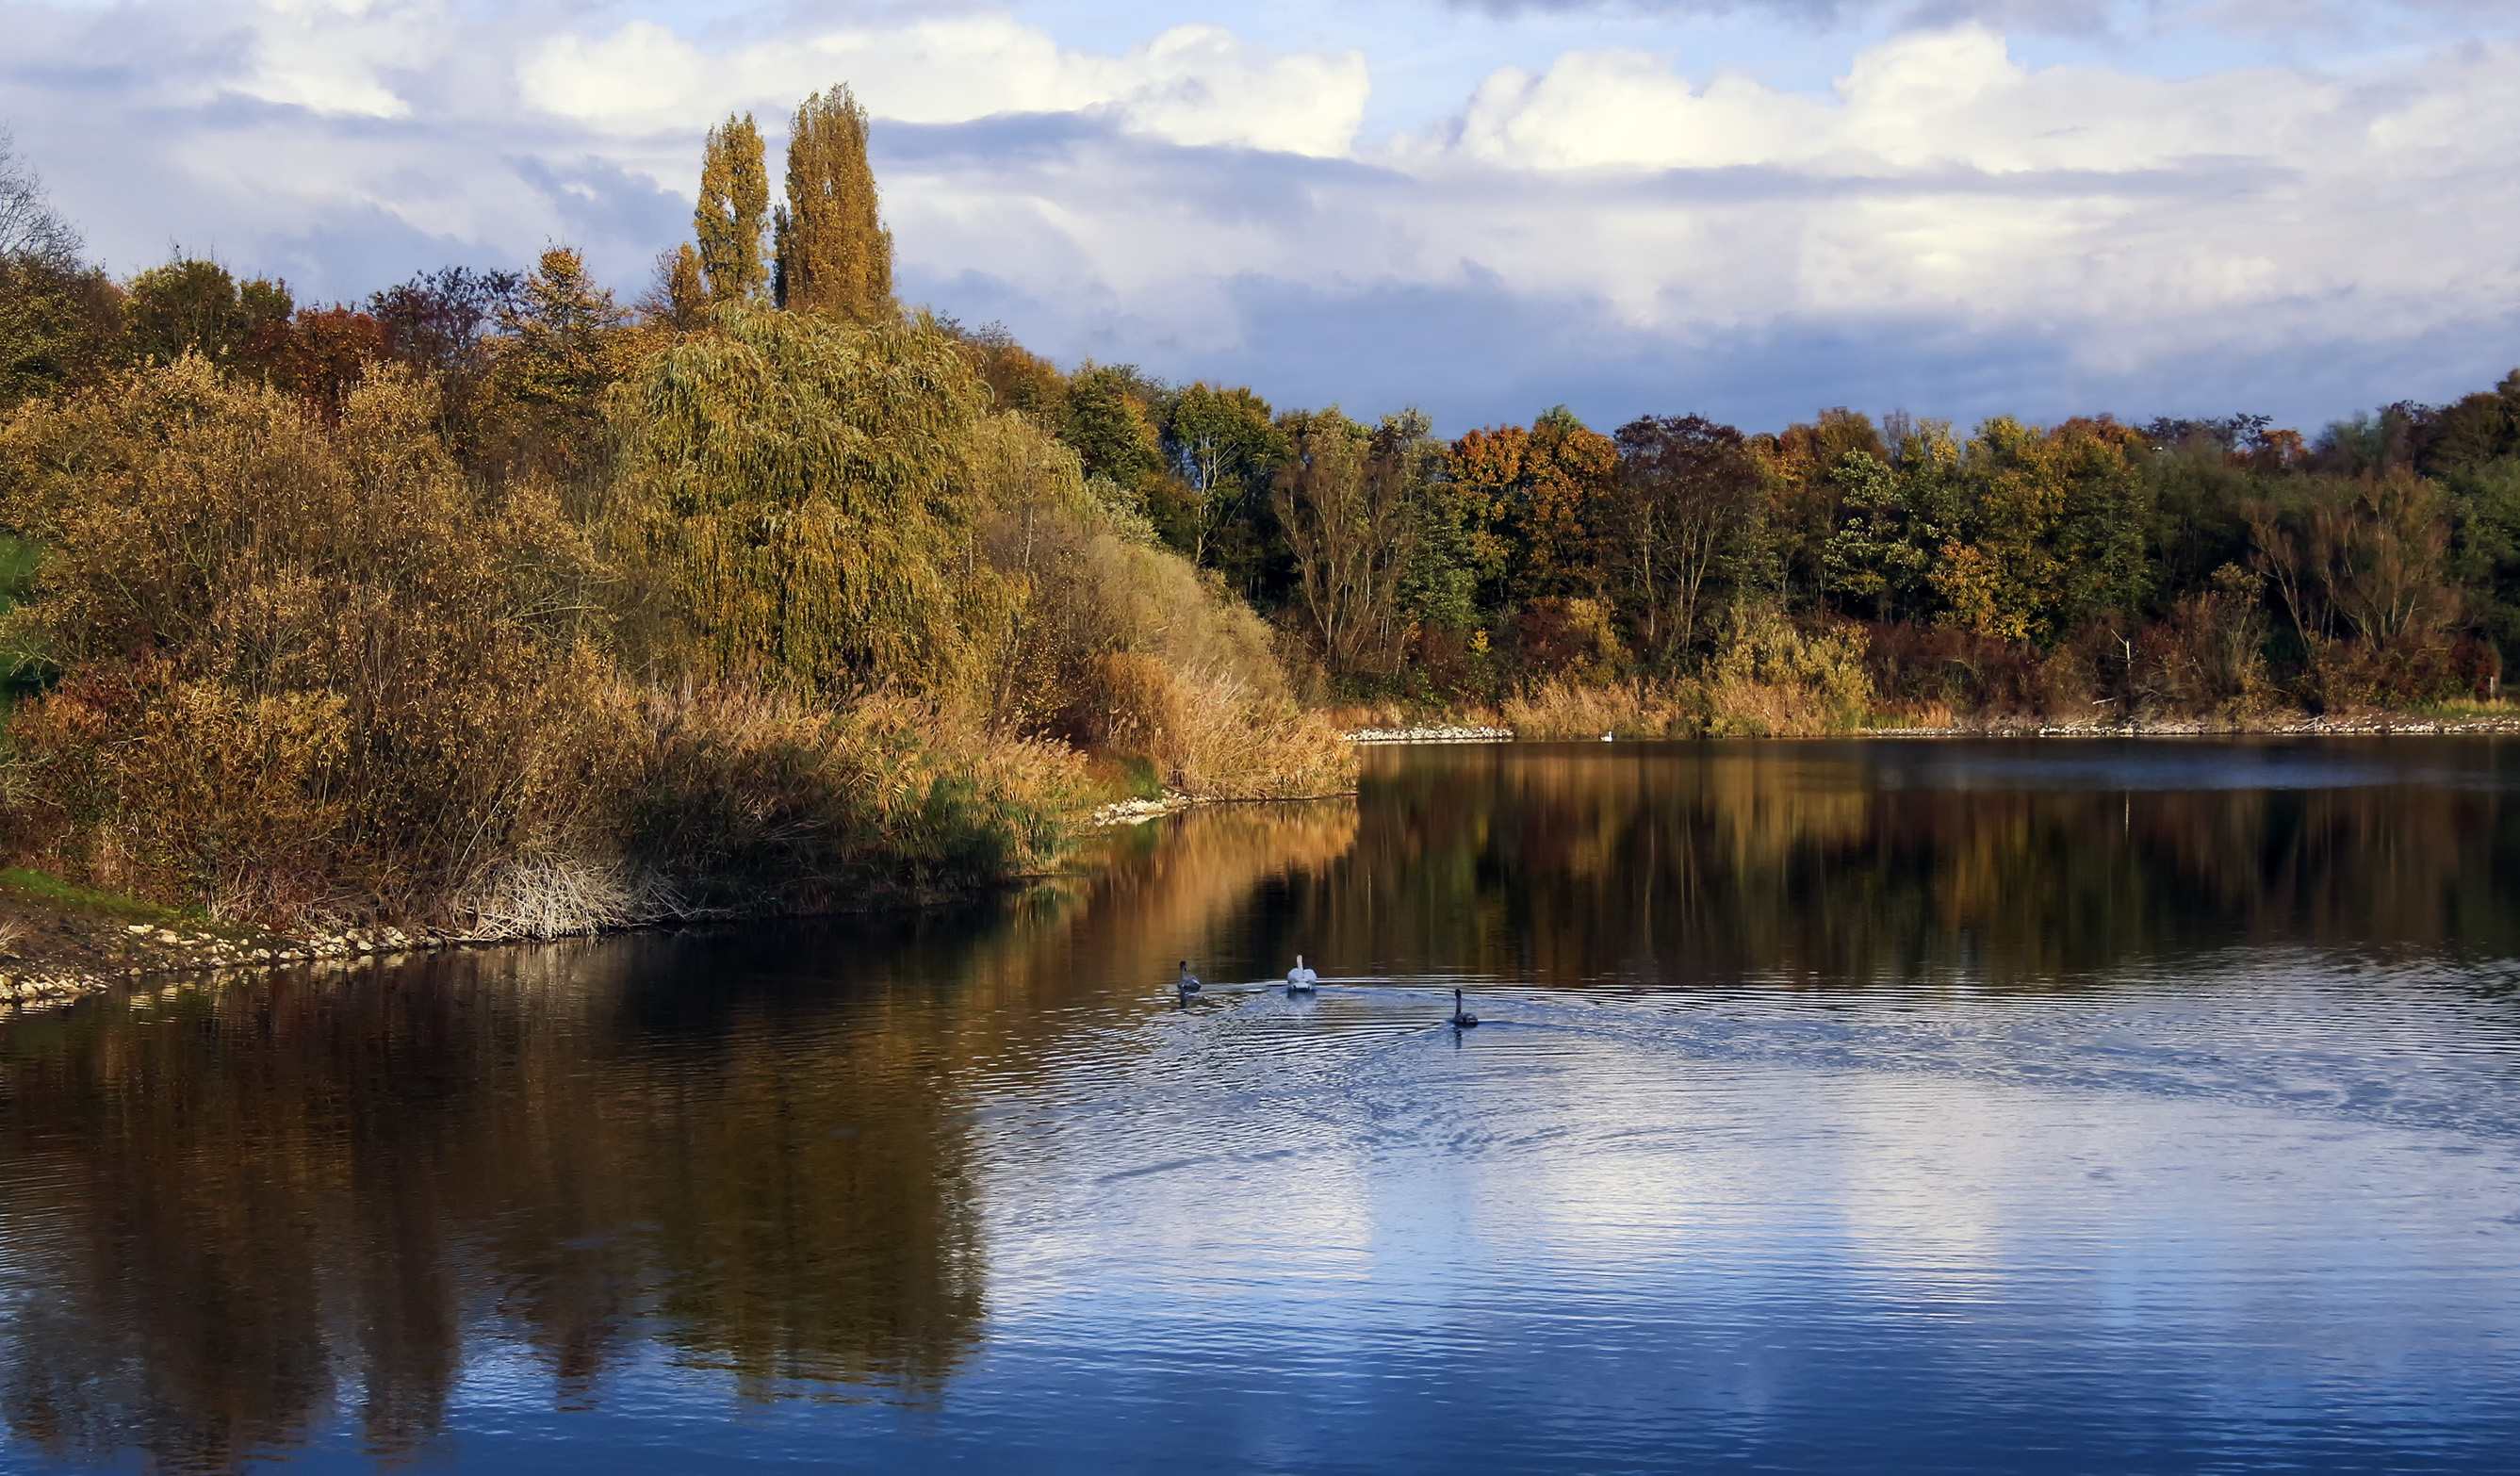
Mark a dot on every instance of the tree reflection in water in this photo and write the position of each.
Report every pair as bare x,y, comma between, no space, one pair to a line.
222,1211
227,1215
1842,863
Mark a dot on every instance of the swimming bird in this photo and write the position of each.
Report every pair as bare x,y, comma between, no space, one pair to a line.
1462,1019
1188,981
1301,980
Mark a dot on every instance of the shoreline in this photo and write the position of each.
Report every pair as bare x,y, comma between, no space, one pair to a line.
56,950
2376,725
59,948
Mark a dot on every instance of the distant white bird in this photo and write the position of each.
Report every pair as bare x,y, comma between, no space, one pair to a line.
1462,1019
1606,738
1301,980
1188,981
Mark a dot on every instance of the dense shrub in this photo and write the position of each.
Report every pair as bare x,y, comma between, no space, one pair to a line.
835,629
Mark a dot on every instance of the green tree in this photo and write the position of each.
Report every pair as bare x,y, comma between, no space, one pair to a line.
1797,467
1109,422
2056,530
1224,448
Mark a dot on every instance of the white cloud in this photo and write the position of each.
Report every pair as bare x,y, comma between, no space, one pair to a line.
1193,85
327,55
1945,177
1179,200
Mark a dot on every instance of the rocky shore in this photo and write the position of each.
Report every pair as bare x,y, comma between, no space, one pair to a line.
1130,812
2286,726
1441,734
53,949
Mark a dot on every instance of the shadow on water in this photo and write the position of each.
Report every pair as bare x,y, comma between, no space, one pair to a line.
300,1210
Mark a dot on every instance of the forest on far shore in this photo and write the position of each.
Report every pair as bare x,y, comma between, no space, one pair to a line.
494,595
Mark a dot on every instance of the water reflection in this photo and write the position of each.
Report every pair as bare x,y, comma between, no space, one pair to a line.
1838,863
867,1173
224,1211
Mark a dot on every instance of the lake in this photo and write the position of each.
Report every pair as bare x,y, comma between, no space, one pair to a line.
2042,1105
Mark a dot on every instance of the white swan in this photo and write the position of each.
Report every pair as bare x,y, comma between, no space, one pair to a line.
1462,1019
1301,980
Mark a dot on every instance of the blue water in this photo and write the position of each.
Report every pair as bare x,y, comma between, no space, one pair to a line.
2159,1115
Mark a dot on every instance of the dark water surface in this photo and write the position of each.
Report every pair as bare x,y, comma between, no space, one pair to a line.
2034,1107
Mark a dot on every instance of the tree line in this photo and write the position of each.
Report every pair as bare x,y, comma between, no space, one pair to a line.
484,509
2179,567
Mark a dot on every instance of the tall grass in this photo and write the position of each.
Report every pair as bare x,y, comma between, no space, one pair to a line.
1769,678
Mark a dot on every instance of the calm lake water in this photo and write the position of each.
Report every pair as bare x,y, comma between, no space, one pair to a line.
2033,1106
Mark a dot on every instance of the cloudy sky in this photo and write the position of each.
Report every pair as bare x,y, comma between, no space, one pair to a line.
1747,207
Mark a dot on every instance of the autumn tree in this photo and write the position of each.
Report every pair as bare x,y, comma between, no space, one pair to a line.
59,322
798,492
1560,519
1343,494
30,229
677,297
1538,500
2055,532
2474,432
322,355
1799,466
192,305
733,208
1484,469
1018,378
834,255
2363,557
560,348
440,322
1686,497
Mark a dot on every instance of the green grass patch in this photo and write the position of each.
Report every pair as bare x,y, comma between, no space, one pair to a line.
19,558
20,670
2461,710
42,887
1123,775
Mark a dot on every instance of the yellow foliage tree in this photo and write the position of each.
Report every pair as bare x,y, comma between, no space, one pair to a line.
834,255
801,490
734,204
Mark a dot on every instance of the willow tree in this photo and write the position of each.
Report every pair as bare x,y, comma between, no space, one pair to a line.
801,499
834,255
734,204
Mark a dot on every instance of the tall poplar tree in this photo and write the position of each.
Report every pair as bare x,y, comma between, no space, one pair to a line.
735,203
834,255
